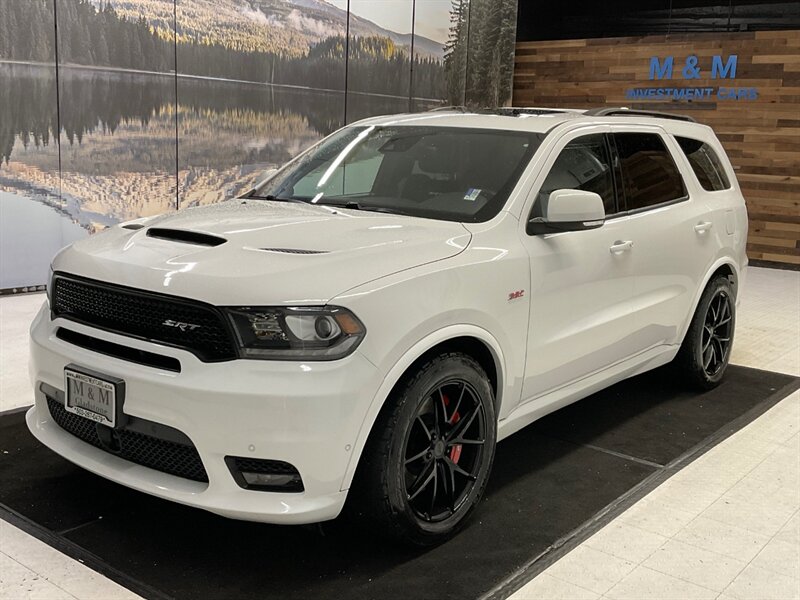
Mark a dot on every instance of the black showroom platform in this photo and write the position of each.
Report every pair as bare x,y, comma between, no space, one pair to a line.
553,484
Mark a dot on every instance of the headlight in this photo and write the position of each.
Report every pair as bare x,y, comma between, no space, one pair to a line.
296,333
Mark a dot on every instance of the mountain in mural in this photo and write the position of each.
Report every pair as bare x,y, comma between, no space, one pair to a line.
289,27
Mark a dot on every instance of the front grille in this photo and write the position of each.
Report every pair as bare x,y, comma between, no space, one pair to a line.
181,460
195,326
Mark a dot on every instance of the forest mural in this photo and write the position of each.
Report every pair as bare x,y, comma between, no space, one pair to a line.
114,109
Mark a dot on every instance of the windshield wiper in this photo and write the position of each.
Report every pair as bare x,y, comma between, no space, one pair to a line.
353,205
276,198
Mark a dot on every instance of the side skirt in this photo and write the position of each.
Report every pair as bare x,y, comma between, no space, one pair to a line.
535,408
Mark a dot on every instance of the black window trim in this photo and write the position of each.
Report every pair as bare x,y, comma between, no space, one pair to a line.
691,168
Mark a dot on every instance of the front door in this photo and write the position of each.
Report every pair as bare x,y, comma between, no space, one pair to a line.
581,281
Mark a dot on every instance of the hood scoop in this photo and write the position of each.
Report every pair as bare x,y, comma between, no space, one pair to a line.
294,251
185,236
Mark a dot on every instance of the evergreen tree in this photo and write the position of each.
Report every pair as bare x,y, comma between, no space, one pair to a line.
4,33
101,49
455,57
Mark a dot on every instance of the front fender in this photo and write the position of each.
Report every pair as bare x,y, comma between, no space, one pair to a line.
402,365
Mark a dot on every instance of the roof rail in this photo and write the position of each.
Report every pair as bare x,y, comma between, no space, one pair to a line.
462,109
622,111
516,111
507,111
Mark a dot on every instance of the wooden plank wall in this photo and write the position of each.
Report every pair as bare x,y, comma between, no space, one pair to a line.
762,136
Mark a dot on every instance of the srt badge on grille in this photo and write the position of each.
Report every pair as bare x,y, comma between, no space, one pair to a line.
181,325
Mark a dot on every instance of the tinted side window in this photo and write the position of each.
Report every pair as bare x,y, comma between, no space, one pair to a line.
649,175
583,164
705,164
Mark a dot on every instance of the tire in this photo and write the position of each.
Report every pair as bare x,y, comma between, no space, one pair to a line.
704,354
426,463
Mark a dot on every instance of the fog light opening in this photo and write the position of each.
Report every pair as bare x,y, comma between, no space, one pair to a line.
264,475
270,479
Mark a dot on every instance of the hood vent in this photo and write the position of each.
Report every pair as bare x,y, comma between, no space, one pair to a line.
294,251
185,236
133,226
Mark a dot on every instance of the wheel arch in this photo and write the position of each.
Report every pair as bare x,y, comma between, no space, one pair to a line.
722,266
471,340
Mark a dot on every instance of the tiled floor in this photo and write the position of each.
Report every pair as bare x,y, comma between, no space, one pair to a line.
726,527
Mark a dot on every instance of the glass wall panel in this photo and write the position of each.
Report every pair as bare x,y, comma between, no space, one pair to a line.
439,69
117,109
379,57
34,223
256,85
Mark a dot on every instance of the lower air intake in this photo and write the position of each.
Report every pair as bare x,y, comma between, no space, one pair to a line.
166,456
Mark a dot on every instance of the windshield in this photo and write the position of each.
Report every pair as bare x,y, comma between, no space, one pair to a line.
447,173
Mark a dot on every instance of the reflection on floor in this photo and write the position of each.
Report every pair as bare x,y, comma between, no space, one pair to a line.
724,527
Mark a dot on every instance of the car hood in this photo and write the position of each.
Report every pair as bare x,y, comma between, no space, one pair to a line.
254,252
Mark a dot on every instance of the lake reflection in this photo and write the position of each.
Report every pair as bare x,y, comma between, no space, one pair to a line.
30,235
119,158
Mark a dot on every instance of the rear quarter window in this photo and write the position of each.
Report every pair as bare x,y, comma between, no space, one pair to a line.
705,164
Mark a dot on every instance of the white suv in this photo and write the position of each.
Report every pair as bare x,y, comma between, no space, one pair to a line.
372,318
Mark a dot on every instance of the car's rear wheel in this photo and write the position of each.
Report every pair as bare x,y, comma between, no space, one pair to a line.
428,459
706,349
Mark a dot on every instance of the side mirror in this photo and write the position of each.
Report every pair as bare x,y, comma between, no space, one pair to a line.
569,210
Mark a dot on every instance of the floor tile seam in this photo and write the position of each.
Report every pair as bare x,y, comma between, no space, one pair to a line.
563,579
718,498
38,574
771,539
661,573
727,587
617,520
750,562
700,548
652,568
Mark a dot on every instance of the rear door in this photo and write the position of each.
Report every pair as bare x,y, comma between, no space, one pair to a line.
670,224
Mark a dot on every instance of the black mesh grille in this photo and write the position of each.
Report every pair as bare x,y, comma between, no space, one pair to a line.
139,314
162,455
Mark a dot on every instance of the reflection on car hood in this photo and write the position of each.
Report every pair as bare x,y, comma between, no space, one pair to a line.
257,252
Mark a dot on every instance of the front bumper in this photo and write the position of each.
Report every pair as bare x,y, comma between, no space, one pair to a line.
306,414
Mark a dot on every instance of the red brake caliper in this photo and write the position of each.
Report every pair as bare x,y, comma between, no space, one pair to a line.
455,449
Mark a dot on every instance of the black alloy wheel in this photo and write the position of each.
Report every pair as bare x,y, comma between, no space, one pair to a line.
706,348
717,333
444,450
429,454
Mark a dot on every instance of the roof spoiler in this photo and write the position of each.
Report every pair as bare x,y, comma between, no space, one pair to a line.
622,111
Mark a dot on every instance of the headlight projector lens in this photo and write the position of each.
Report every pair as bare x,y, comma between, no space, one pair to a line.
324,327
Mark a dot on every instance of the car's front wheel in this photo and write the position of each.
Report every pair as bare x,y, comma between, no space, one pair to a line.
428,458
706,349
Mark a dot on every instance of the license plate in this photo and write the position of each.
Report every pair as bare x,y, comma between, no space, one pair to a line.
90,397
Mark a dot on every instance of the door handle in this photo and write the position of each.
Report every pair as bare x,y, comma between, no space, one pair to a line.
703,226
619,246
